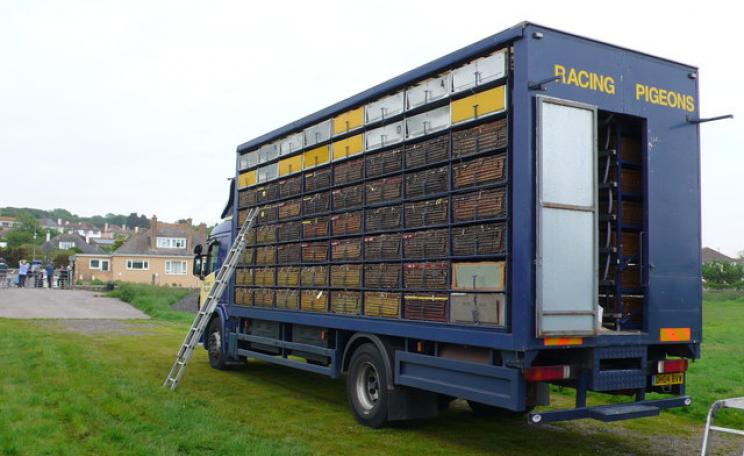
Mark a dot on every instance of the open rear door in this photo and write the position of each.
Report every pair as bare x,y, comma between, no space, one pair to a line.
566,274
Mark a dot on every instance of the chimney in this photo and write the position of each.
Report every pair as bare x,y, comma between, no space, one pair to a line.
105,227
87,239
189,222
59,221
153,232
49,236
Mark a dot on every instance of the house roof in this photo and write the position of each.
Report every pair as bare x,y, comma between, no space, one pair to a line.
6,218
53,244
143,243
714,255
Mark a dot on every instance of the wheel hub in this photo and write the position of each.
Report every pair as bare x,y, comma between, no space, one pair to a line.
368,386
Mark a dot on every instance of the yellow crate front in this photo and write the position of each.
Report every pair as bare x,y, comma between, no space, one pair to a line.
317,156
350,120
290,165
247,179
347,147
479,104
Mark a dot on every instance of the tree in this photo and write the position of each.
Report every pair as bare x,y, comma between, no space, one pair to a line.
723,274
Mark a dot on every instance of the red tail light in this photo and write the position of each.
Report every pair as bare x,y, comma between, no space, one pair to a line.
671,365
547,373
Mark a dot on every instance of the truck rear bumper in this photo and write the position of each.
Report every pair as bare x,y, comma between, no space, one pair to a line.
612,412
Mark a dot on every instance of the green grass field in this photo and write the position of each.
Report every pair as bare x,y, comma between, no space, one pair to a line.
64,392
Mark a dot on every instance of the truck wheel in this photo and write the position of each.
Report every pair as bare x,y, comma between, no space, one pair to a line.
490,411
215,340
366,386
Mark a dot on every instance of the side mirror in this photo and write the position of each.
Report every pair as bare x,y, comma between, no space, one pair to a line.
198,263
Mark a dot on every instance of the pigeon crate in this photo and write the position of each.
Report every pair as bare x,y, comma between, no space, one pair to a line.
265,255
383,190
630,150
382,275
346,302
348,197
479,276
429,307
629,242
244,277
289,209
384,218
477,309
479,139
248,257
479,240
318,180
288,276
481,171
244,296
248,198
347,249
382,247
426,152
288,299
632,212
382,304
347,223
348,171
346,276
389,161
314,301
427,182
288,231
314,252
266,234
422,276
484,204
267,193
268,214
629,275
426,244
315,228
427,213
263,277
631,180
291,186
288,253
314,276
316,204
250,237
263,297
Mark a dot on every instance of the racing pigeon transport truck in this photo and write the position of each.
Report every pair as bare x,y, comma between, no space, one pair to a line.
520,213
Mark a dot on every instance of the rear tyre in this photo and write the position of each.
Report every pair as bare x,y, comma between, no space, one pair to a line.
367,388
215,342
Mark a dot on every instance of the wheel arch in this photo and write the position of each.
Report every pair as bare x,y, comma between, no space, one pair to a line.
384,345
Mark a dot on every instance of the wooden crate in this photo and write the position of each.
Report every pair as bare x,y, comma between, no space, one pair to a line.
314,276
480,205
268,192
632,211
479,240
288,299
347,223
244,296
267,214
248,258
346,302
244,277
266,255
263,277
316,204
346,276
348,197
250,237
426,244
482,276
382,304
291,186
263,297
427,213
630,150
429,306
631,180
481,138
346,249
478,308
266,234
288,231
382,275
382,247
384,218
288,253
630,275
429,151
348,171
382,190
288,276
432,276
314,300
315,228
289,209
428,182
248,197
314,252
481,171
382,163
318,180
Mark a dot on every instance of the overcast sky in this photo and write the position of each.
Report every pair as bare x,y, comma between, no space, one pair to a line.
138,105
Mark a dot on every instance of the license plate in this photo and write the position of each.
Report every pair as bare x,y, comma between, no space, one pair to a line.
676,378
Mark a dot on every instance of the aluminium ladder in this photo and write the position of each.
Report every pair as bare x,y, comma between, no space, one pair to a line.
734,403
213,298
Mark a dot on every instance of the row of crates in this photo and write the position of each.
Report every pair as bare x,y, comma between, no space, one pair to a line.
439,275
466,77
464,142
472,240
459,308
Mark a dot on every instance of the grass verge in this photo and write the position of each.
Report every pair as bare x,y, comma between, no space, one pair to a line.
154,301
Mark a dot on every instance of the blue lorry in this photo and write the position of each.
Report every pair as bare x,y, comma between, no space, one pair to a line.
520,213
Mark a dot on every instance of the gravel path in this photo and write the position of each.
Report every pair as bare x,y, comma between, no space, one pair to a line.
27,303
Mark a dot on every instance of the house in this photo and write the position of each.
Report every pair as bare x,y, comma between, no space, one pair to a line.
7,222
67,241
710,255
161,255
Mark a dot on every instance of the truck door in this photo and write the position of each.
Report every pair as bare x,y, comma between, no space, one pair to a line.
566,263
